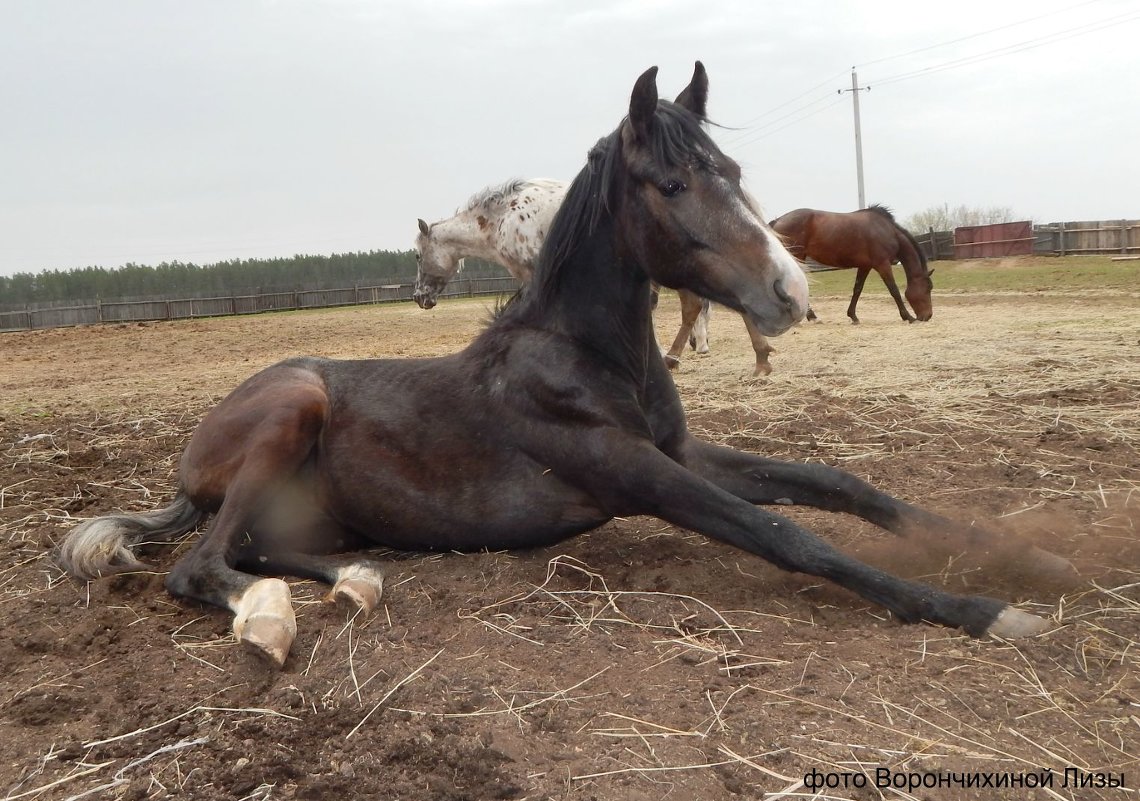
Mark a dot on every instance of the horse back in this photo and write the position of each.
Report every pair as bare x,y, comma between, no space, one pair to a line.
857,239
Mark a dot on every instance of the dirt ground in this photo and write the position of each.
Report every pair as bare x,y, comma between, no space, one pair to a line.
636,662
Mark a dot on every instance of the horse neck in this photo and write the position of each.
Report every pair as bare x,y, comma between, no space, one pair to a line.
518,228
601,300
914,265
464,236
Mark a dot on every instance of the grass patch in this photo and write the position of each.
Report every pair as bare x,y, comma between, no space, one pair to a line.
1015,274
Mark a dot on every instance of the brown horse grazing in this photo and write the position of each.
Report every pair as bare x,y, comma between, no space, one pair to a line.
866,240
558,417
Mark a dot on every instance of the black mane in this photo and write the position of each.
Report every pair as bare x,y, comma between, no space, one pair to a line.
883,211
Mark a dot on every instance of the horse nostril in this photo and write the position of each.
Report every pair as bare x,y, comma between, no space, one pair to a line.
783,295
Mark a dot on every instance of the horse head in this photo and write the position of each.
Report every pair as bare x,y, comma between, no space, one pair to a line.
436,264
701,231
918,291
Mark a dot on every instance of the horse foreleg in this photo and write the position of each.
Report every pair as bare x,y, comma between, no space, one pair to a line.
699,338
762,480
888,276
860,279
649,482
761,346
690,310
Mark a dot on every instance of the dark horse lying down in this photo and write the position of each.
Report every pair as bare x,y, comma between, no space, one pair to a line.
557,418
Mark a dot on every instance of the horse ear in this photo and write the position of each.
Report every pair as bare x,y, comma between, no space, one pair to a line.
695,96
424,228
643,105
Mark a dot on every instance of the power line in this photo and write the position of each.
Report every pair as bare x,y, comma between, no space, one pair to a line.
767,133
1007,50
774,109
748,136
979,33
749,132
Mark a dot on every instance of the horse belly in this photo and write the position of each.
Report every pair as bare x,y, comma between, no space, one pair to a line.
461,505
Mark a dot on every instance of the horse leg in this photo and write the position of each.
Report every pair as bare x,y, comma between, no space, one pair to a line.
888,276
650,482
690,310
761,347
762,480
246,450
699,338
860,279
811,314
357,583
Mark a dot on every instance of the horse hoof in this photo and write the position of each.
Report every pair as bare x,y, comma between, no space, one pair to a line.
1013,623
672,362
359,588
762,370
265,624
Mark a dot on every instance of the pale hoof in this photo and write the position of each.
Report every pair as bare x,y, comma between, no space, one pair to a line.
762,370
359,587
264,621
1012,623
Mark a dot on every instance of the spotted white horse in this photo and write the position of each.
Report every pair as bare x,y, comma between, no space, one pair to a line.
507,225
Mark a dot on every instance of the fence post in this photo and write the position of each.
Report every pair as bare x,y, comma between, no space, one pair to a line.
1124,236
933,245
1060,239
98,310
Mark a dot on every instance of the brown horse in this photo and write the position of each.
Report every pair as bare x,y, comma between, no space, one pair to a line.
559,417
865,240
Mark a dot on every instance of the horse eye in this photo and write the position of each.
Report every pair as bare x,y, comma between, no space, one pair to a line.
671,187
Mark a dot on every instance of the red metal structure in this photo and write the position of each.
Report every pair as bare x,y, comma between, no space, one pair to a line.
988,241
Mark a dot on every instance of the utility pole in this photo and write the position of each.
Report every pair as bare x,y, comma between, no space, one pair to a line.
855,90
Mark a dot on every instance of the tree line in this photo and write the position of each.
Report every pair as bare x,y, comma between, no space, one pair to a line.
947,217
304,272
236,277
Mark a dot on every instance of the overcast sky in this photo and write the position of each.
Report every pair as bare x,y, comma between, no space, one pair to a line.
155,130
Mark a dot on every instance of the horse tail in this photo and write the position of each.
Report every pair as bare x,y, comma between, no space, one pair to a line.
102,546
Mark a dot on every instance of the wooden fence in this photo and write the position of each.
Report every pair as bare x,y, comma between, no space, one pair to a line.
1096,236
1088,237
186,308
980,241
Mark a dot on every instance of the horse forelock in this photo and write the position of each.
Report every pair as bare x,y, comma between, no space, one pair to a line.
679,139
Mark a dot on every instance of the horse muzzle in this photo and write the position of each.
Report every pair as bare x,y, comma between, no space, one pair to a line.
425,297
